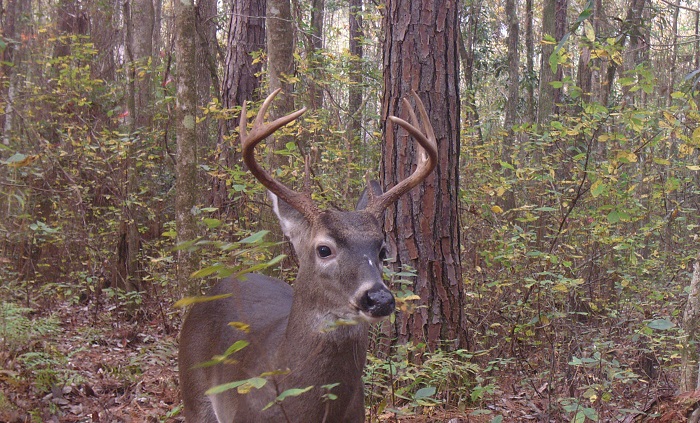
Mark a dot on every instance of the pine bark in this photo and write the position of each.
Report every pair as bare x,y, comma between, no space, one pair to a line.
420,54
246,36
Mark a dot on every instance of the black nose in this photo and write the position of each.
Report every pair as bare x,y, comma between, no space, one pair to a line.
378,302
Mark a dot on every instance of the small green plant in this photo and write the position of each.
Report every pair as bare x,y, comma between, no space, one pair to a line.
17,329
417,379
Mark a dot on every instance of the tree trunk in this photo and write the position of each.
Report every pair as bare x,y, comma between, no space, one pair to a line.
246,35
143,22
355,47
205,52
139,22
511,117
315,45
280,66
280,55
513,67
554,25
674,55
420,53
12,26
630,28
466,53
691,326
529,65
354,121
186,164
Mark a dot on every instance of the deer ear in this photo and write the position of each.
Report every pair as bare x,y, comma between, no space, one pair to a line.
293,223
365,196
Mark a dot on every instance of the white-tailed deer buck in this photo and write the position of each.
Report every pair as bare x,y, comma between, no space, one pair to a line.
313,334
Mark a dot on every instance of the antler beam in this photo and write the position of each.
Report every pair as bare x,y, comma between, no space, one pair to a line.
427,153
261,130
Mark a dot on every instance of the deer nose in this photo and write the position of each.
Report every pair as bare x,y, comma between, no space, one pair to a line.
378,302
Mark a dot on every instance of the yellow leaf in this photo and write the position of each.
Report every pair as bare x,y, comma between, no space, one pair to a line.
411,298
693,167
496,209
696,136
589,31
194,300
243,327
24,162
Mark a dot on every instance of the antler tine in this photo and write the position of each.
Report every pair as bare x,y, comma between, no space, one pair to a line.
426,161
261,130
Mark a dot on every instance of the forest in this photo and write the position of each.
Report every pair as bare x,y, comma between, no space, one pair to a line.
548,270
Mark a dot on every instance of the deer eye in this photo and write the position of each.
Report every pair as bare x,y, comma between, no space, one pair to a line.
383,254
324,251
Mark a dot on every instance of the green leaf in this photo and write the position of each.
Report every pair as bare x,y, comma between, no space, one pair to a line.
255,382
256,237
580,417
661,324
613,216
425,392
294,392
598,188
556,84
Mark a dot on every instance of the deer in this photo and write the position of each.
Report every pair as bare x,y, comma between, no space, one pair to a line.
312,336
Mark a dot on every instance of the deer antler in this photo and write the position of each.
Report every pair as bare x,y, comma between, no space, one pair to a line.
427,159
261,130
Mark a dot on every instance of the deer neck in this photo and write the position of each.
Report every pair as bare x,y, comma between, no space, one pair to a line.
317,343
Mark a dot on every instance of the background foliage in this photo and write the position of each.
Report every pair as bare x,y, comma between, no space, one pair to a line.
578,231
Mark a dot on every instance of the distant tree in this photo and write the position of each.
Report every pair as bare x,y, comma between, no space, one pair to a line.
186,162
355,47
420,54
280,53
246,36
467,43
280,68
12,25
207,76
554,26
314,46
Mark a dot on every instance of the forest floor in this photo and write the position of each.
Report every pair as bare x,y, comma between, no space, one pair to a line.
96,367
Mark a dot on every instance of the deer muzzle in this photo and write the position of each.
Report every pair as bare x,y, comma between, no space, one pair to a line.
377,302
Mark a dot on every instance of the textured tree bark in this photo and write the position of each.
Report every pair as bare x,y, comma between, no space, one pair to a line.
280,54
12,25
420,53
354,119
186,134
280,66
126,274
631,28
246,35
529,65
205,52
553,24
143,21
466,53
691,326
355,47
314,50
511,112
